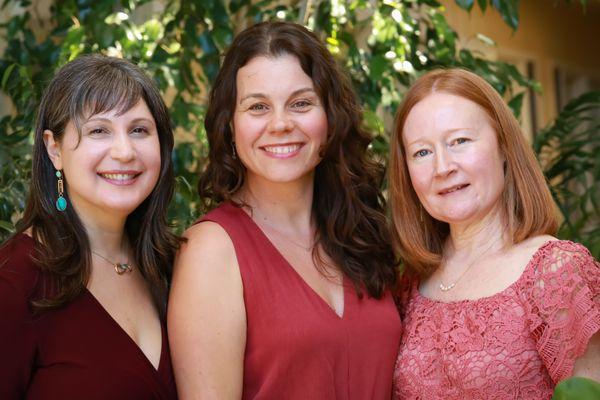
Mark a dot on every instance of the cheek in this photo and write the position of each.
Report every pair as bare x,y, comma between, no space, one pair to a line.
315,125
419,177
150,153
247,131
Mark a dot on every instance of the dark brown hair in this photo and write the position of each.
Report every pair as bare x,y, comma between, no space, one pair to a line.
82,88
526,199
347,205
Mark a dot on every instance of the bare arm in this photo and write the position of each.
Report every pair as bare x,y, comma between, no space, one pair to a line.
588,365
206,316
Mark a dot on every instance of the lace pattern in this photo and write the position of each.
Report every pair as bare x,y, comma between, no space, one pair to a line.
516,344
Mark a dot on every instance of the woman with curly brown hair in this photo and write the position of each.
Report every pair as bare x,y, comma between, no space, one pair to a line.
283,290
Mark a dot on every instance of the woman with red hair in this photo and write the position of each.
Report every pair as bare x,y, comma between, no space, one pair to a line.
494,306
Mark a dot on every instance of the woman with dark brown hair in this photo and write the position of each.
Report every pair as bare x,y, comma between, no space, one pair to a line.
283,290
494,307
83,282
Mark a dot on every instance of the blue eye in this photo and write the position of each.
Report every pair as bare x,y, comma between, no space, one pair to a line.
421,153
461,140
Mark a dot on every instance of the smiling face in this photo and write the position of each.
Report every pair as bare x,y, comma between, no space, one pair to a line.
279,123
115,164
453,157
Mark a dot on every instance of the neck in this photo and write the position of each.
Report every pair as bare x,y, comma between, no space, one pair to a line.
106,235
285,204
486,233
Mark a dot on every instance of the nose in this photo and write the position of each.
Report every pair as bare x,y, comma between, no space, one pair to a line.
280,122
444,164
122,148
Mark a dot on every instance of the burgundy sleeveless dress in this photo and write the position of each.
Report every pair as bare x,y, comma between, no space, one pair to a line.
297,347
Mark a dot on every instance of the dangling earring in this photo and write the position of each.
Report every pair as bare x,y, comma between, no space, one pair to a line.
61,202
233,153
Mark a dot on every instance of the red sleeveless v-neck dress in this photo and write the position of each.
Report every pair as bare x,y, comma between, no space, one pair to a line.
297,347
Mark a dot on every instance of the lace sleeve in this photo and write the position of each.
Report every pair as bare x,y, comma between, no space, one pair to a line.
564,304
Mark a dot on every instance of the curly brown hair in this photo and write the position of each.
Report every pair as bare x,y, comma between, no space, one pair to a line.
348,205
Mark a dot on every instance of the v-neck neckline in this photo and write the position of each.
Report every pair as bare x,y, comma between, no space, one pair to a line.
122,332
293,270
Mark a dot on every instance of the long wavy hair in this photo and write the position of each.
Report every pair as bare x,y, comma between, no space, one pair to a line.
82,88
527,203
348,206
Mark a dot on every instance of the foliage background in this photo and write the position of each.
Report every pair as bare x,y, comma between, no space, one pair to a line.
384,45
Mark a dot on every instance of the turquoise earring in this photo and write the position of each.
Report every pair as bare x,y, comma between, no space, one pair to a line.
61,202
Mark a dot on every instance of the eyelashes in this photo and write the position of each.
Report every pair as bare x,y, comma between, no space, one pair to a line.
454,142
302,105
101,131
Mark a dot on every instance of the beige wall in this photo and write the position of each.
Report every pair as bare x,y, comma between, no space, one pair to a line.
552,35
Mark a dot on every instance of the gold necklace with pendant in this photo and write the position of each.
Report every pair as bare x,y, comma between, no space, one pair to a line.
120,268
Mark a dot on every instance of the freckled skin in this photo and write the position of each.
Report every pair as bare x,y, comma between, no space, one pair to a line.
450,144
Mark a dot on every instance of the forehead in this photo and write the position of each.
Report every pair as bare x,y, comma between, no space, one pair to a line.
441,112
271,74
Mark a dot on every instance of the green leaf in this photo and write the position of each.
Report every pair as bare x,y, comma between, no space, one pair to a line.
377,65
509,10
6,76
465,4
516,104
7,226
577,388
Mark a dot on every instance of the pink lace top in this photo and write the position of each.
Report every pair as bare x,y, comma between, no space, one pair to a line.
516,344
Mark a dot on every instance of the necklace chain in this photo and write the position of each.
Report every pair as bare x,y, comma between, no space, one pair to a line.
303,247
120,268
445,288
283,235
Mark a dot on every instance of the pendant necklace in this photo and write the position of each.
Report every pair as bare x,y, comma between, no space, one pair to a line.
120,268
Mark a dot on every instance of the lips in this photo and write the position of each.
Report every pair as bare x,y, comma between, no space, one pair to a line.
453,189
119,177
282,149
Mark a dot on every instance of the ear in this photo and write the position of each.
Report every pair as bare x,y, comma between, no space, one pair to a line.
53,148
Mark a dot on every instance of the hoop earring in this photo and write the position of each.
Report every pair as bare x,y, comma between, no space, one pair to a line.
233,152
61,202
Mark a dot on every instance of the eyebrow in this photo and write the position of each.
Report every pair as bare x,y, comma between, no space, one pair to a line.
264,96
109,120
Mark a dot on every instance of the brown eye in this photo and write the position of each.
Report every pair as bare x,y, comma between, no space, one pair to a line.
97,132
140,130
257,107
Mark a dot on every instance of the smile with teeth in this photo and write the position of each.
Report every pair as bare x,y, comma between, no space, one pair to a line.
282,149
118,177
453,189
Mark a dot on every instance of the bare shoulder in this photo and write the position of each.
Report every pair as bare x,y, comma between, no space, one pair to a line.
553,254
207,235
207,242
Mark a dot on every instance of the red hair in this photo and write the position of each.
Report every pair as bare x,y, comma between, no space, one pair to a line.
526,199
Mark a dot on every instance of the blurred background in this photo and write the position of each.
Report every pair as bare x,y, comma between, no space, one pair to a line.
543,56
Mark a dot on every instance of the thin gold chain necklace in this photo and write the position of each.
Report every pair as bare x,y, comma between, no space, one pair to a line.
281,234
445,288
120,268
